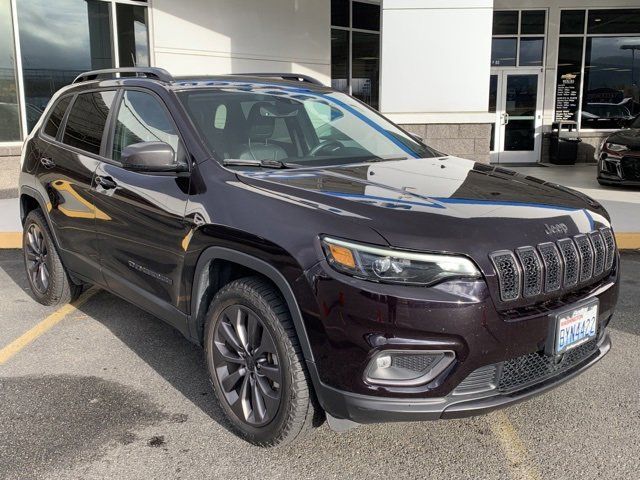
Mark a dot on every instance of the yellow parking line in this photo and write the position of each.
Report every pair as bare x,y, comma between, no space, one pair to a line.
10,240
521,466
45,325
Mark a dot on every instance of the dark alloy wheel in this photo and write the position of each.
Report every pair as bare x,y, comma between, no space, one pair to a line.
256,366
37,259
247,365
48,278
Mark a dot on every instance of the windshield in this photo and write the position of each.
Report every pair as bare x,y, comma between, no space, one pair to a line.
295,125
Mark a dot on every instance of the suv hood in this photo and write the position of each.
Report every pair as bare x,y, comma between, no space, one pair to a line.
441,204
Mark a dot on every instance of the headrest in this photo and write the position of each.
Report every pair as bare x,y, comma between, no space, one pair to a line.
261,126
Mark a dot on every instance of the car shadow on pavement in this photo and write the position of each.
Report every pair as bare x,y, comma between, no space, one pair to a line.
160,346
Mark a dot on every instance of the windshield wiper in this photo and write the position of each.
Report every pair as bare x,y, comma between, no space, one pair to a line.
239,162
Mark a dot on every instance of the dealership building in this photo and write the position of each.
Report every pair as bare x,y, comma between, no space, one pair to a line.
481,79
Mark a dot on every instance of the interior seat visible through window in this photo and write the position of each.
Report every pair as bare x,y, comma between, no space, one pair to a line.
261,127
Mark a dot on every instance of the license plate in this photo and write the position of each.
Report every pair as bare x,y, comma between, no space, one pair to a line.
575,327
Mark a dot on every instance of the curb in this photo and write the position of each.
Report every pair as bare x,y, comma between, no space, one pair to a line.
10,240
625,241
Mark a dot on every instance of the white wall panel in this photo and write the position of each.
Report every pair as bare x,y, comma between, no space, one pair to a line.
436,60
232,36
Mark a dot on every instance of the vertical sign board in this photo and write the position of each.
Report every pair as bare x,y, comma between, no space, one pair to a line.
568,80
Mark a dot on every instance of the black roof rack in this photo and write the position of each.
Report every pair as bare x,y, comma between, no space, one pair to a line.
284,76
149,72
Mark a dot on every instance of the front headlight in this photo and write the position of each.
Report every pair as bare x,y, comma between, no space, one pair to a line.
395,266
616,147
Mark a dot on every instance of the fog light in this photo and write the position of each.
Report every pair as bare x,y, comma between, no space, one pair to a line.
383,361
407,368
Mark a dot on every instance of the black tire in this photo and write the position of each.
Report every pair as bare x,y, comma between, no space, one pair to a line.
59,289
297,412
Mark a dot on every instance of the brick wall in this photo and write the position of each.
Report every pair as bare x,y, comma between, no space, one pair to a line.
462,140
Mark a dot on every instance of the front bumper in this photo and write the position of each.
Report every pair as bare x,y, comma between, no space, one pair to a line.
370,409
356,320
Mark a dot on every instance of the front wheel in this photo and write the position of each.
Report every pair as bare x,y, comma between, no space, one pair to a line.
48,279
256,365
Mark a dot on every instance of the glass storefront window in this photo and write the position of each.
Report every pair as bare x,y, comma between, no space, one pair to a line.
614,21
133,41
366,16
608,96
611,96
355,49
505,22
517,38
9,110
340,13
78,38
365,69
504,52
572,22
340,60
531,51
533,22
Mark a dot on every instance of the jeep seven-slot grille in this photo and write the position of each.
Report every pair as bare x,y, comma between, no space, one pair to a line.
550,267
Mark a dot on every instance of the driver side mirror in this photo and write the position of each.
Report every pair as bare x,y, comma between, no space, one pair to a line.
150,157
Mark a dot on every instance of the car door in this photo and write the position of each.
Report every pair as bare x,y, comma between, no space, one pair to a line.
141,246
72,151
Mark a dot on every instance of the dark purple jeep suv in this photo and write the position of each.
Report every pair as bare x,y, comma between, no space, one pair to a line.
327,261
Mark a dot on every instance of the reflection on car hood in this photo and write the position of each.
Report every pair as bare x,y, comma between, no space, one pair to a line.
629,137
448,197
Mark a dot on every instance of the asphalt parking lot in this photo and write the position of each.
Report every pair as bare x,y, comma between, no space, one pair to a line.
110,392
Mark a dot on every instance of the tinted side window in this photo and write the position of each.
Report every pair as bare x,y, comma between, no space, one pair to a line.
55,119
87,119
142,118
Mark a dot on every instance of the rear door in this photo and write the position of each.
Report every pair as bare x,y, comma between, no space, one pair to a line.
141,246
74,147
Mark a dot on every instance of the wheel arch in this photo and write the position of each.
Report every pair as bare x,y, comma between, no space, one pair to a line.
30,199
248,264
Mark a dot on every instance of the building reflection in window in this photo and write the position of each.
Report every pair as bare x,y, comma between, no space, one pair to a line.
58,41
9,111
133,42
611,96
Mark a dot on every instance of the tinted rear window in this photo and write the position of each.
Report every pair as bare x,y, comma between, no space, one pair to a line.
87,119
55,119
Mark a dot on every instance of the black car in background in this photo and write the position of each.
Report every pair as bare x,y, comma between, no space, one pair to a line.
619,157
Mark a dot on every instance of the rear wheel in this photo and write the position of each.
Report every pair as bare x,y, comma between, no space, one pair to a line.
256,365
48,279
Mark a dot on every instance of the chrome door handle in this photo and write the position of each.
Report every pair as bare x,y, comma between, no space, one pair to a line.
47,162
106,182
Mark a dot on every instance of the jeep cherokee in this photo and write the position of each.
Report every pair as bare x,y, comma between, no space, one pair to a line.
329,262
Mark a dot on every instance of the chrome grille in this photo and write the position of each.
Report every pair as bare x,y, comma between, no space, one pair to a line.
531,271
508,274
550,267
599,253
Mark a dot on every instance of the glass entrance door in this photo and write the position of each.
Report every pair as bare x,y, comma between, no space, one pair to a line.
514,97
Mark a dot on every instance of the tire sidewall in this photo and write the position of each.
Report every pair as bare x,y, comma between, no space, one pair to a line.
235,296
36,219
